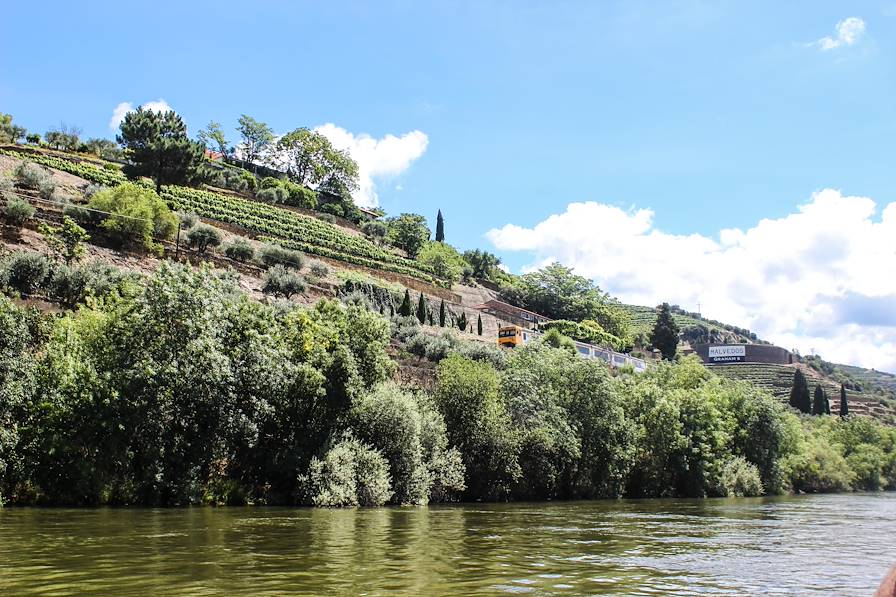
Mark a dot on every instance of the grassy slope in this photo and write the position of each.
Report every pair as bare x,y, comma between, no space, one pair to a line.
643,319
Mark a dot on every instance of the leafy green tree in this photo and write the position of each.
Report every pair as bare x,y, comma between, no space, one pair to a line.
444,261
134,215
282,281
462,321
33,138
799,393
311,160
440,228
421,309
409,233
482,263
10,133
66,240
203,237
442,313
405,308
212,136
64,137
818,401
157,146
351,473
844,402
375,231
479,325
665,333
257,138
104,148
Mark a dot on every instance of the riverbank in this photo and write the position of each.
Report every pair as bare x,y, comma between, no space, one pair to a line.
743,546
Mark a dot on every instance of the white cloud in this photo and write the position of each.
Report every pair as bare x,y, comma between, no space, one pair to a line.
123,108
849,31
820,278
377,158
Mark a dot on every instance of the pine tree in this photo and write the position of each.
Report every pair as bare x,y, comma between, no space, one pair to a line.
665,333
479,325
462,321
421,309
405,309
818,401
799,393
440,228
442,314
844,402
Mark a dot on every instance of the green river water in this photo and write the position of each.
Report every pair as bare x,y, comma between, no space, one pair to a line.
826,545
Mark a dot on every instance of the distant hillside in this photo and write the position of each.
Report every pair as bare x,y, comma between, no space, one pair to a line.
694,328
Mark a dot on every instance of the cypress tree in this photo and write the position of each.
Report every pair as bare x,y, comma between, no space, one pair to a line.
421,309
844,402
391,308
442,314
440,228
799,393
462,321
479,325
429,317
405,309
665,333
818,401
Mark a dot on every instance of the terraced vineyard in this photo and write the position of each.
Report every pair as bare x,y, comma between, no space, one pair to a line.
644,318
305,233
777,380
82,169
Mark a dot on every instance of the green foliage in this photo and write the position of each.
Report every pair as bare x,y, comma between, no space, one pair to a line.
408,232
319,269
157,146
282,281
444,261
351,473
10,133
442,313
81,169
740,478
311,159
64,137
375,231
25,272
404,309
240,250
799,393
588,331
462,321
664,336
556,339
203,237
421,309
17,211
440,227
67,240
257,138
272,255
479,325
212,137
483,265
31,176
844,402
820,402
134,215
106,149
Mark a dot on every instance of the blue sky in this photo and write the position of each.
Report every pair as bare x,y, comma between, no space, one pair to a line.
711,115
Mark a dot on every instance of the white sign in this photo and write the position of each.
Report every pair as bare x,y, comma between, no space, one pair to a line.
722,354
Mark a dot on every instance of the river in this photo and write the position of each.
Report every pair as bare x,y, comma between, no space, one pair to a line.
830,545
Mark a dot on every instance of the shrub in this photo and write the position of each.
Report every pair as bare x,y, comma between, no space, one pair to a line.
333,209
445,262
92,190
17,212
329,218
819,468
432,348
272,195
66,240
72,285
485,353
300,196
350,474
281,281
240,250
134,215
203,236
31,176
269,182
319,268
276,255
187,220
375,230
26,272
739,478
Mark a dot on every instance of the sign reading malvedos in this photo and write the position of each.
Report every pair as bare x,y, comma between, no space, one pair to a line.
727,354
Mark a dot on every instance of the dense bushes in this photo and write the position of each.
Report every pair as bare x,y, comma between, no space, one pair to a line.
17,211
134,215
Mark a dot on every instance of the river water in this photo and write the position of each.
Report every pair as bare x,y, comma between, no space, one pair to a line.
830,545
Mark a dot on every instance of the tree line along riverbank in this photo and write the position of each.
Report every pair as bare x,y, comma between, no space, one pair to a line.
177,388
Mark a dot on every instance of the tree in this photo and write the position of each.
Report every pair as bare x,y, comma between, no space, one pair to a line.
67,240
156,145
405,309
64,137
462,321
819,401
103,148
444,261
799,393
442,314
134,215
375,231
280,280
10,133
204,236
213,133
421,309
257,137
665,333
311,160
440,228
479,325
482,263
844,402
408,232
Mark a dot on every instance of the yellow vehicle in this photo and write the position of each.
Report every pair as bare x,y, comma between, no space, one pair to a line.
510,336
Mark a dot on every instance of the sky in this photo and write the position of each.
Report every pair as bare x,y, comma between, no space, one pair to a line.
735,157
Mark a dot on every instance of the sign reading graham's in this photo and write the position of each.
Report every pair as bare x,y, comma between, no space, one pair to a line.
727,354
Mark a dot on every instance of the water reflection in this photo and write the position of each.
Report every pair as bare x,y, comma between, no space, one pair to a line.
738,547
